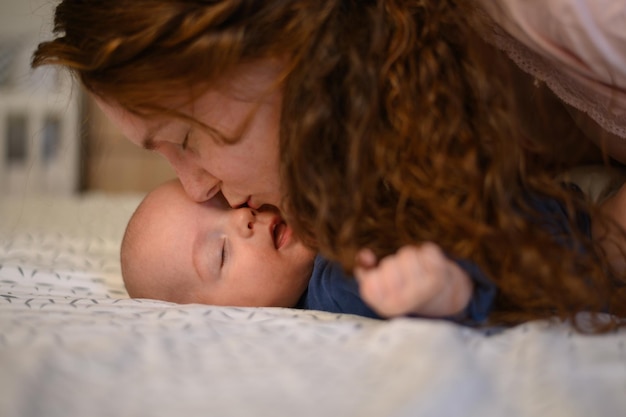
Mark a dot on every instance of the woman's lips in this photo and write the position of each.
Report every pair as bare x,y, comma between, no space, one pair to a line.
252,204
242,203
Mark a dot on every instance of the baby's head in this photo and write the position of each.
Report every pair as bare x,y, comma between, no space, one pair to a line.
175,249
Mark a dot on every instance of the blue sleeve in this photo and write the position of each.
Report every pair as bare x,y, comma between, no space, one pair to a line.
331,290
554,218
483,296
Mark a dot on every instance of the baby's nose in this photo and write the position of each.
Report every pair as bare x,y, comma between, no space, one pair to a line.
246,219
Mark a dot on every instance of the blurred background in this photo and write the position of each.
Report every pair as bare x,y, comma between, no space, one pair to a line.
53,138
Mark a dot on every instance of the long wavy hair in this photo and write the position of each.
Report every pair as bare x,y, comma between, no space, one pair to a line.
399,126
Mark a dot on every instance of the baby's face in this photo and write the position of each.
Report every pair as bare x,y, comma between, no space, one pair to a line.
208,253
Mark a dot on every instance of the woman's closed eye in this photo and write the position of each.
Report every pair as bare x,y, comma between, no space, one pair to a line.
224,254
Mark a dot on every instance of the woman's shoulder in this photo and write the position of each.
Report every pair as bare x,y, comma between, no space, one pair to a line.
575,47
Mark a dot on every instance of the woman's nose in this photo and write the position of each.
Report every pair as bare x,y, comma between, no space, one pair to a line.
198,183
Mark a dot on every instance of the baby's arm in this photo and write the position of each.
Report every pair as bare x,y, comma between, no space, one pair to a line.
417,280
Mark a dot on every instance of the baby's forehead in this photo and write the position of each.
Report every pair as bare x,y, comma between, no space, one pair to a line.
165,202
170,189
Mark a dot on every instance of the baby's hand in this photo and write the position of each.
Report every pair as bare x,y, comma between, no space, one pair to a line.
415,280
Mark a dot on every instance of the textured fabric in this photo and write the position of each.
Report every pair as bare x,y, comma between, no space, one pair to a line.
577,47
72,344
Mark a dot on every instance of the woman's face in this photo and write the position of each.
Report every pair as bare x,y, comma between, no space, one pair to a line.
246,109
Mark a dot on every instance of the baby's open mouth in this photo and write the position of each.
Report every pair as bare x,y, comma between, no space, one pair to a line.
279,230
278,233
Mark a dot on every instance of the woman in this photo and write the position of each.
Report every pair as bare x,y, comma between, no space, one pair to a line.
391,122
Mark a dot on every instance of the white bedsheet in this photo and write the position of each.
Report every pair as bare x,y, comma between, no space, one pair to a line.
73,344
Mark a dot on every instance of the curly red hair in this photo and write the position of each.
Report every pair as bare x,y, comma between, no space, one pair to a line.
399,126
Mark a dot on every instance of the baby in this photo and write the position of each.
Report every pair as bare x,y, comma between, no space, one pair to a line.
185,252
177,250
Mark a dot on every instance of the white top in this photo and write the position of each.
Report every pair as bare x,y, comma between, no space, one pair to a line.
577,47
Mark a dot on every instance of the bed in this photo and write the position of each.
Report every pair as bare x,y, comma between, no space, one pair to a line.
73,344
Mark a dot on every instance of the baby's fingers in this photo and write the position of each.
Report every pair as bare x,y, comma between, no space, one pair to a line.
380,286
370,286
365,269
365,258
